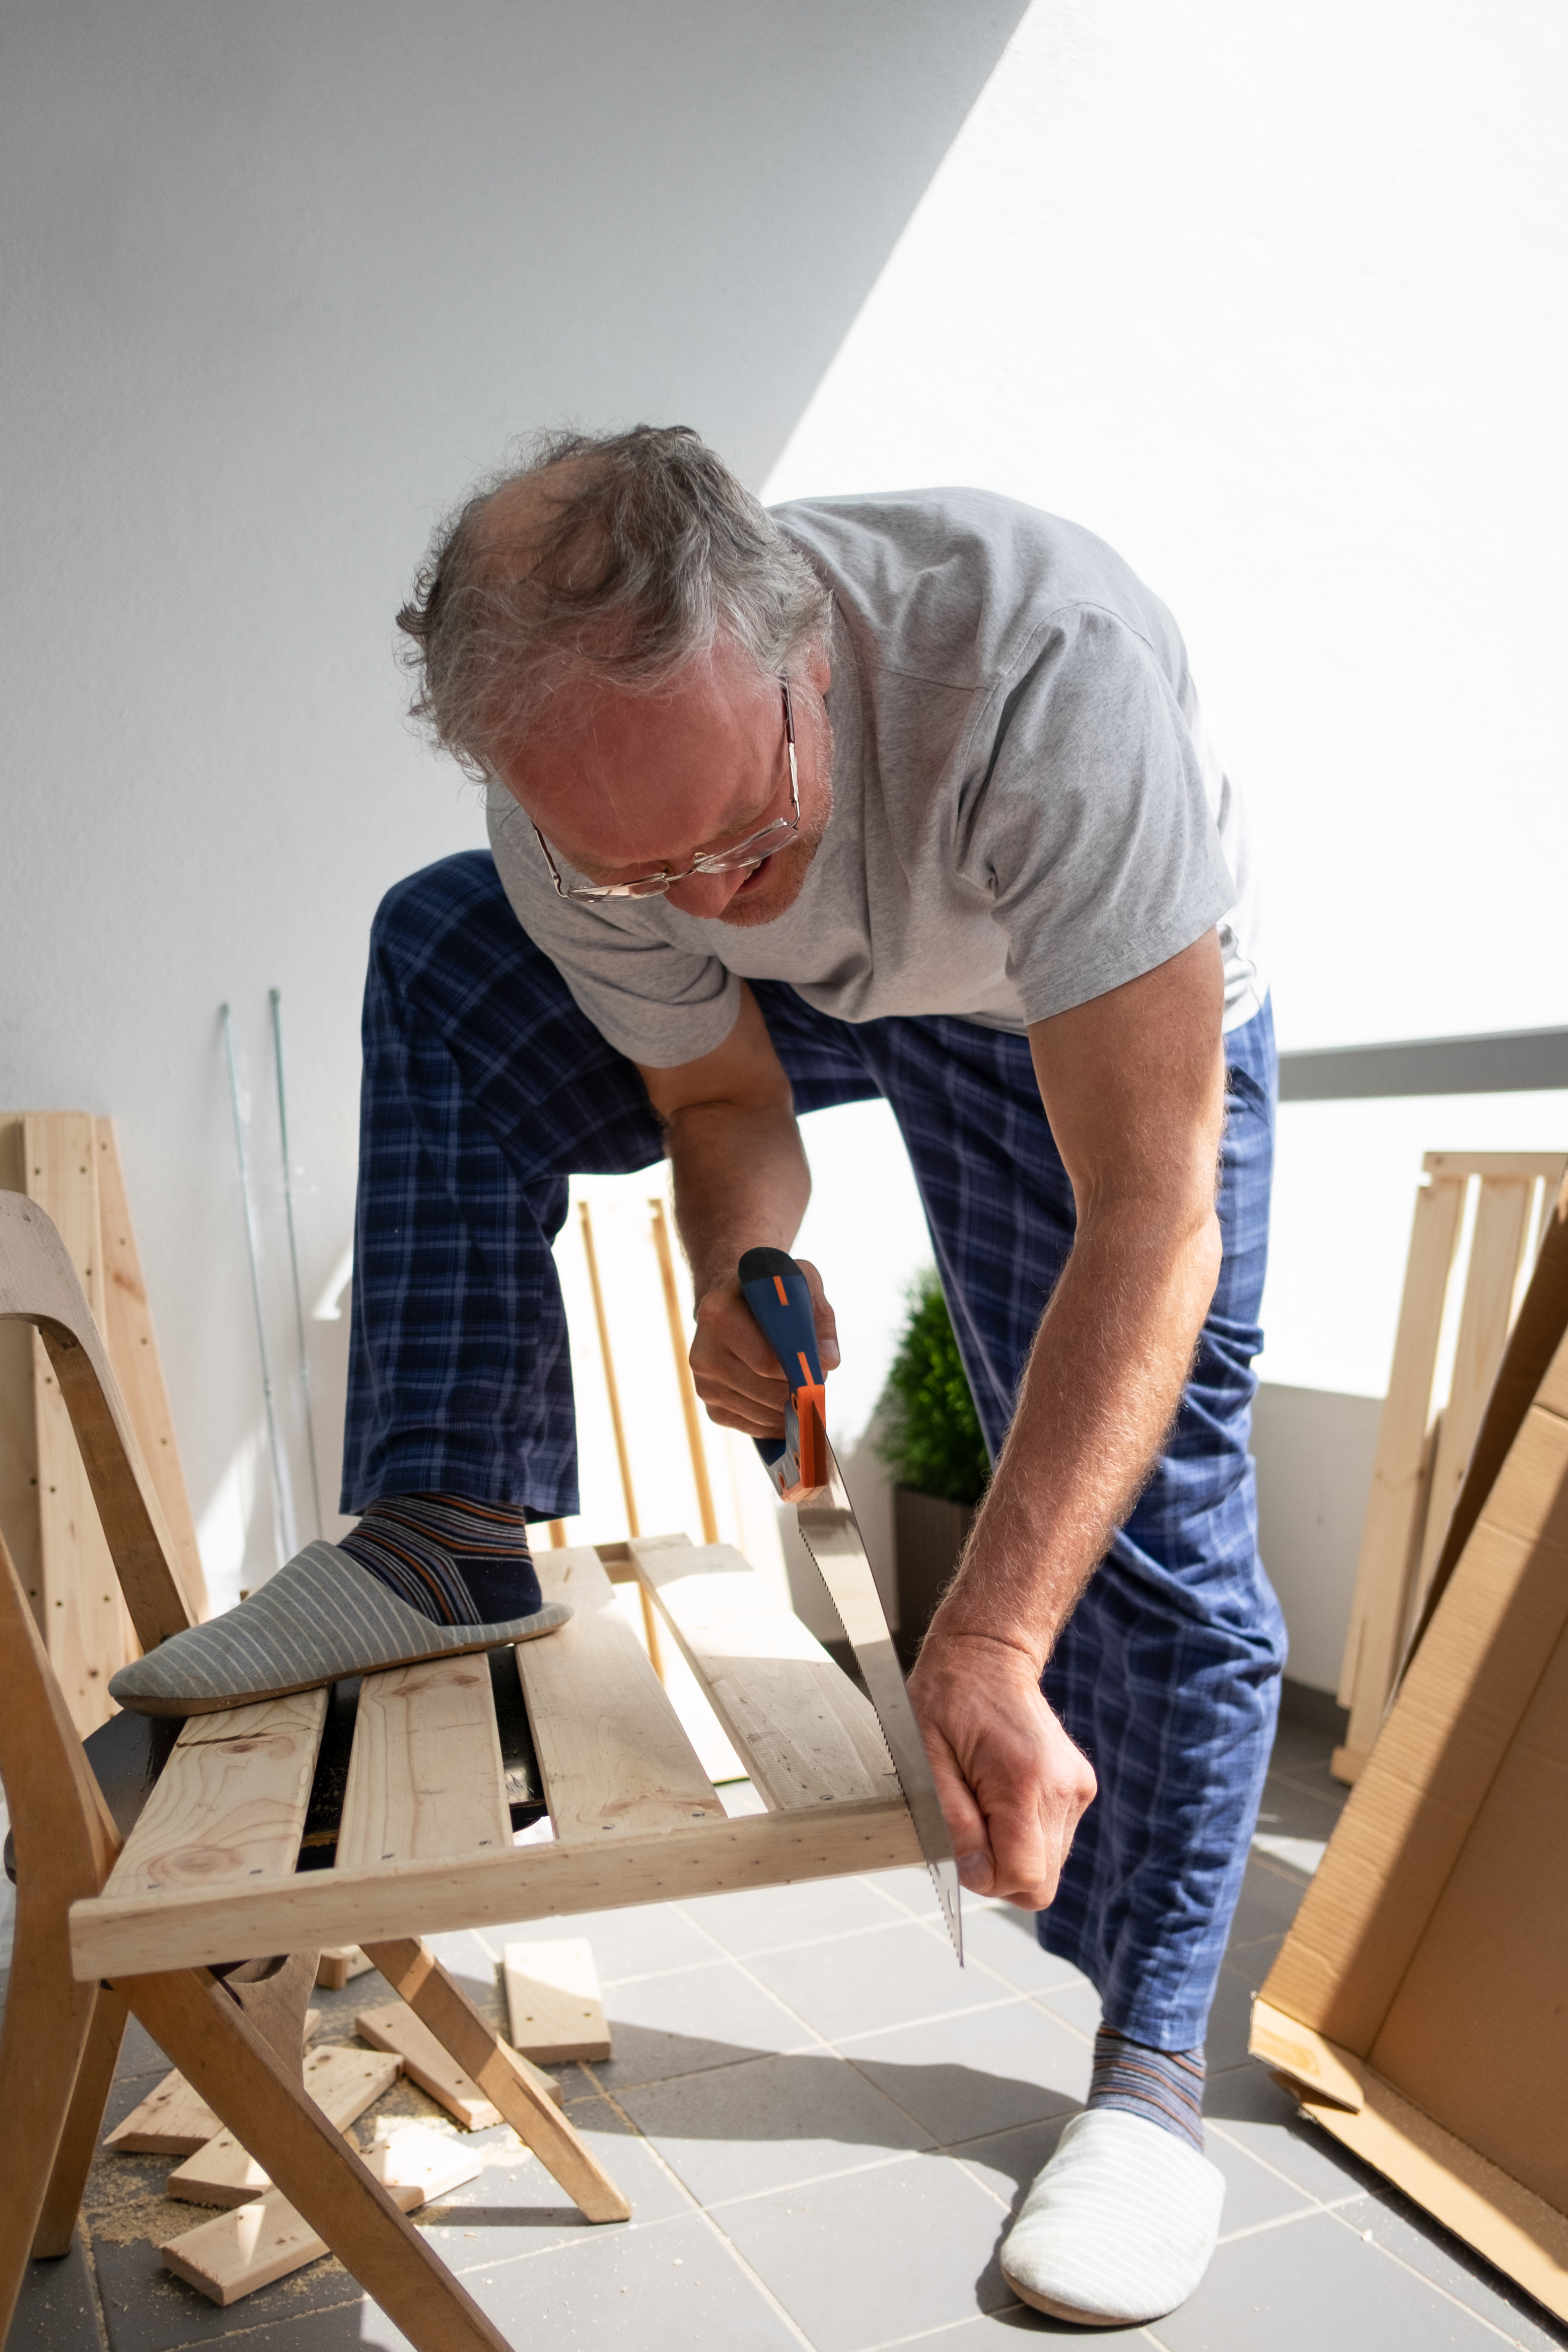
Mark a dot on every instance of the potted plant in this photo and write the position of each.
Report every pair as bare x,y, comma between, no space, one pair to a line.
932,1445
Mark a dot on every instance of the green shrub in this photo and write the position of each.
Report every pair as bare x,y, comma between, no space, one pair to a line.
932,1439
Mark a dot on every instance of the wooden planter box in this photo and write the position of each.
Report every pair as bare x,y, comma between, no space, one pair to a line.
928,1536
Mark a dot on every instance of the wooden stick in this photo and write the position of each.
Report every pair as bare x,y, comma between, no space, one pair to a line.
649,1624
683,1376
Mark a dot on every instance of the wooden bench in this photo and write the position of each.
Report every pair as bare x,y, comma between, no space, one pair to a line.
207,1860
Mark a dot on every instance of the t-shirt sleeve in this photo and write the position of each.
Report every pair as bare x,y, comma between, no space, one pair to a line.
654,1000
1089,825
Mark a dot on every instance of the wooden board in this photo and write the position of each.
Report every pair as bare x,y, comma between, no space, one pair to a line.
264,2239
392,2026
343,2082
338,1965
129,1936
614,1758
229,1807
85,1624
173,2120
806,1736
425,1776
19,1427
127,1326
553,2001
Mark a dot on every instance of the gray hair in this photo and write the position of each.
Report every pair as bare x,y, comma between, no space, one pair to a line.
644,556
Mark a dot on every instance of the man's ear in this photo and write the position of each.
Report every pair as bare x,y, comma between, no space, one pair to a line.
816,670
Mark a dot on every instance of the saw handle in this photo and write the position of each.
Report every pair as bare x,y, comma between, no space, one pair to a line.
779,1295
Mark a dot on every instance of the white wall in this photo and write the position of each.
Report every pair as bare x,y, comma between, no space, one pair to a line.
280,280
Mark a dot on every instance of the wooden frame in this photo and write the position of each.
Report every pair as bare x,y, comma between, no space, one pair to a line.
424,1841
1422,1456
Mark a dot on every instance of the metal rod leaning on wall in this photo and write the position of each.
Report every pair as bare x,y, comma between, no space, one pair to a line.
683,1373
283,1500
275,997
649,1627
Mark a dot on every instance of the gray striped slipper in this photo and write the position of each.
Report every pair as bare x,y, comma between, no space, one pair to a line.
323,1616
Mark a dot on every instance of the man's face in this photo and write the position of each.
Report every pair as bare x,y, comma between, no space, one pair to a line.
622,785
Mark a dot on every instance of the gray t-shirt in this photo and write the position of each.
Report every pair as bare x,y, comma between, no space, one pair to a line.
1028,811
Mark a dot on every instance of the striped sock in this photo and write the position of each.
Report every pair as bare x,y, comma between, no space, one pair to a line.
458,1563
1165,2087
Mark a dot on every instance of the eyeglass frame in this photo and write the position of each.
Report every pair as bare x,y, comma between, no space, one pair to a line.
723,861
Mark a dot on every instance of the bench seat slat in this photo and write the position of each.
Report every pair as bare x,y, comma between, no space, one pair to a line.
806,1735
611,1750
229,1806
426,1777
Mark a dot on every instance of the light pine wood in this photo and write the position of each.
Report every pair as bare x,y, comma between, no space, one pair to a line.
338,1966
127,1326
229,1807
425,1776
806,1735
55,2030
342,2081
87,1629
1548,1166
84,2121
1497,1255
172,2120
393,2027
614,1758
538,1882
554,2010
457,2024
683,1380
19,1413
320,2174
613,1398
235,2252
1391,1531
38,1285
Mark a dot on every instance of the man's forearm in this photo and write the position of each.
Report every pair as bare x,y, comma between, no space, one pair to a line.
1103,1381
740,1182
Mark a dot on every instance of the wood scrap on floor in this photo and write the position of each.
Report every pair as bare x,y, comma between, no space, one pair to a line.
339,1965
553,2001
393,2027
264,2239
343,2082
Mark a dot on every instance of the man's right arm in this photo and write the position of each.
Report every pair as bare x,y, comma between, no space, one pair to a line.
740,1182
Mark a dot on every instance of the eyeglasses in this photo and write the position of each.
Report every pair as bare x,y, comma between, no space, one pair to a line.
750,852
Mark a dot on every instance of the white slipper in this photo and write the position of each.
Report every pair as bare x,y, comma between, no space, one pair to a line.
1119,2226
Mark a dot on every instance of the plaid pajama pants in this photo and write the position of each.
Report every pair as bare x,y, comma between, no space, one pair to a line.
486,1089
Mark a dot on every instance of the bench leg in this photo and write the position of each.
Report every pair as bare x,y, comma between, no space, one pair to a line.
416,1972
48,2025
263,2102
62,2200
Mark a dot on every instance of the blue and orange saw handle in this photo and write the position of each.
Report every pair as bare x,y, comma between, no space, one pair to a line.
778,1294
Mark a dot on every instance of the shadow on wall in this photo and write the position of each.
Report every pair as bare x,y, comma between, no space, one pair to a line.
1314,1449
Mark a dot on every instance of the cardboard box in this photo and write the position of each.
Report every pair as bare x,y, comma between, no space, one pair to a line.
1419,2005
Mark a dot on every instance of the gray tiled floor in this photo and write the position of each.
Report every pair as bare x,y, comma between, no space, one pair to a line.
822,2127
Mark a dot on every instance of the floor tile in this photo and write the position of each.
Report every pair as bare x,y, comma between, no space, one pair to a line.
987,2327
1290,1810
1310,2285
880,2255
673,2288
736,2130
755,1920
712,2016
1401,2229
985,2071
354,2325
57,2310
1000,1941
910,1889
1297,1749
1244,2104
1230,2018
1270,1898
1076,2005
1314,1776
857,1983
147,2309
515,2208
633,1943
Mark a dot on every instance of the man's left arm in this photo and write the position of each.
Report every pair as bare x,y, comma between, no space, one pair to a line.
1133,1087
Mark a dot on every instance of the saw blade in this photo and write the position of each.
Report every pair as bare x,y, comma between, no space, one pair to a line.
829,1531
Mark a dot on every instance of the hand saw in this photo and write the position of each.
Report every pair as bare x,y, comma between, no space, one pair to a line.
801,1467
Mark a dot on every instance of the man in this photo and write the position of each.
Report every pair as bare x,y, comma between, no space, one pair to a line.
908,795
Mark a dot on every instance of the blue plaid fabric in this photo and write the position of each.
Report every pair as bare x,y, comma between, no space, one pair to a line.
486,1089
